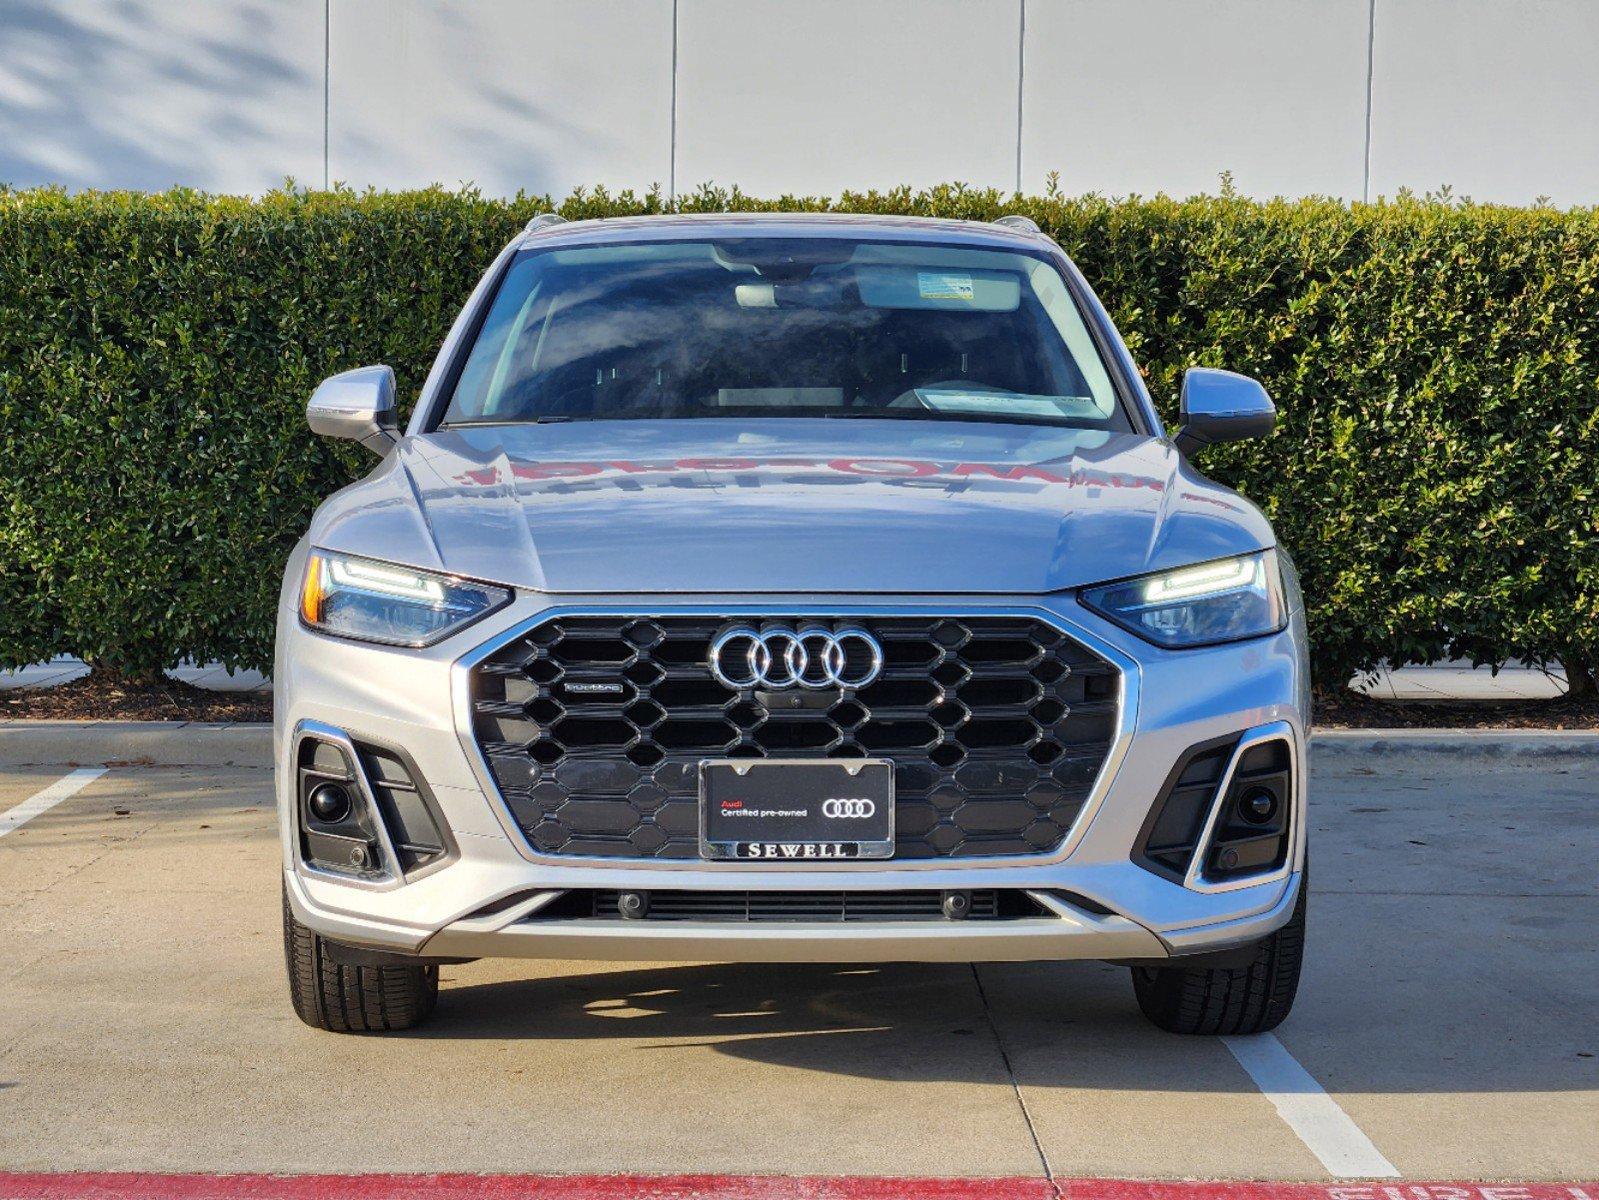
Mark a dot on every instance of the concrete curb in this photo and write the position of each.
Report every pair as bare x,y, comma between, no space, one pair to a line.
197,744
135,743
1496,745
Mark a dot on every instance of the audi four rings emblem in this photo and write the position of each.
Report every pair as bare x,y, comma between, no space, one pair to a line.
812,656
848,808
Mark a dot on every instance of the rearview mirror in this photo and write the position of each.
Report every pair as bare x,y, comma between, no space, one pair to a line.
1220,406
357,405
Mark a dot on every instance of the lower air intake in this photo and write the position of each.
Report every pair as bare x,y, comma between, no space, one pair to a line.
746,907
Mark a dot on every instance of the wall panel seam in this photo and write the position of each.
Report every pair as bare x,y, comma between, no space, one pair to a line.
671,152
1371,52
327,89
1021,79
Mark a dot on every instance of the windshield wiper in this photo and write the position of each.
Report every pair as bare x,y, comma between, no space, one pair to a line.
928,414
547,420
832,414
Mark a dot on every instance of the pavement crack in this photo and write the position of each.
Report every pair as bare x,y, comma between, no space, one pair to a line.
1015,1086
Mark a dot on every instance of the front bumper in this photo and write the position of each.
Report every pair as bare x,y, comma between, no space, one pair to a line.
414,700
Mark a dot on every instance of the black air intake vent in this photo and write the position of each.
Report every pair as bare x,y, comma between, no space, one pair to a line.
407,813
743,907
1178,817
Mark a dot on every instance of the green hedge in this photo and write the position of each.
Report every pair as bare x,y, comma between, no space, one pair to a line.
1435,364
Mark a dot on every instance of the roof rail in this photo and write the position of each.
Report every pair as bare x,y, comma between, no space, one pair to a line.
1019,223
544,221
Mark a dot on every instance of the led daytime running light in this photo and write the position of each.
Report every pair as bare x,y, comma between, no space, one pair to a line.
1210,580
386,581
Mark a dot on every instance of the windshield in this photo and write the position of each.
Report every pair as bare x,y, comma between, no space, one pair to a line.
769,327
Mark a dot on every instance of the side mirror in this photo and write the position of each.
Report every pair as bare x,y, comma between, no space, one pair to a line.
358,405
1220,406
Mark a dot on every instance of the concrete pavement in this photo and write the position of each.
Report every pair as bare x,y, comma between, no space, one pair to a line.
1456,681
1448,1008
64,668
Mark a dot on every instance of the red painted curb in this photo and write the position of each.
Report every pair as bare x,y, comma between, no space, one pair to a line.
140,1186
1126,1189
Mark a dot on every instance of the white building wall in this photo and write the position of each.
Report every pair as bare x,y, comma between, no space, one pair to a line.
1164,95
825,95
1504,106
500,93
139,94
1497,98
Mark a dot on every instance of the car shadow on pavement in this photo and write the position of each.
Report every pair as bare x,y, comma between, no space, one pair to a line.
1050,1024
895,1021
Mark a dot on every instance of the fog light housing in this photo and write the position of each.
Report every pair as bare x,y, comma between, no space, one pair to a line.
329,802
1251,834
336,832
1258,805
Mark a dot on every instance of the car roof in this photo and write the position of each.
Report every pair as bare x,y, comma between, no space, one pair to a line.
878,227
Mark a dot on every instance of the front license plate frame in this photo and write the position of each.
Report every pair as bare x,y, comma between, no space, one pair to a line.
805,810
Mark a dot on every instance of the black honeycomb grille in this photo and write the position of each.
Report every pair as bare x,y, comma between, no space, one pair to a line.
594,728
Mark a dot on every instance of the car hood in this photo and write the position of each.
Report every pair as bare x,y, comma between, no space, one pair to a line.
788,505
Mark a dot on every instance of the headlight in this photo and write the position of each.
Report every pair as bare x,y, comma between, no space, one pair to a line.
381,602
1214,602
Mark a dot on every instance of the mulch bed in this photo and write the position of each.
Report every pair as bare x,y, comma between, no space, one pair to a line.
99,699
1351,710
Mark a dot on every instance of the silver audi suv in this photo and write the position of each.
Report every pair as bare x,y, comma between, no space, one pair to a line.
790,588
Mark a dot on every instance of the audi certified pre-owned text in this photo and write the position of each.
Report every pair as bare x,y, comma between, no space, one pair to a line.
781,588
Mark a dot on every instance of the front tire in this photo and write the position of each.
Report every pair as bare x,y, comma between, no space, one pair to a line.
1250,998
352,999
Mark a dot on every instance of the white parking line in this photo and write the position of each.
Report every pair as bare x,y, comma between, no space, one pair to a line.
1308,1110
53,795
